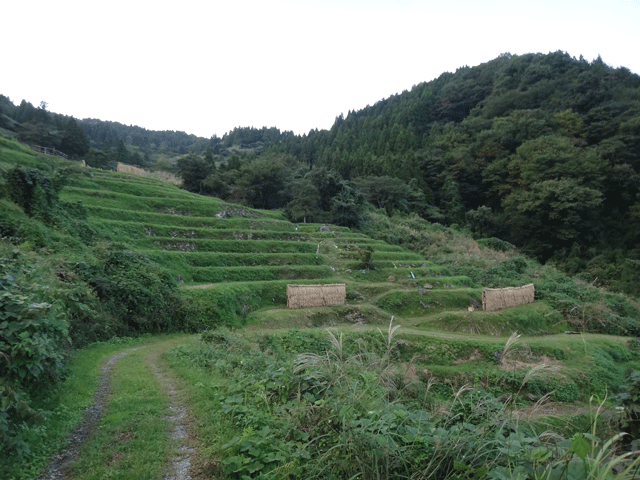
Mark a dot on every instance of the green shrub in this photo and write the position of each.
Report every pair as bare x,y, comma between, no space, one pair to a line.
294,342
140,294
566,392
496,244
34,191
508,273
366,258
629,400
34,336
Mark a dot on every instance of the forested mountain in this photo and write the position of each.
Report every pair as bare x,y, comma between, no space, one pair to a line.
167,141
540,150
101,143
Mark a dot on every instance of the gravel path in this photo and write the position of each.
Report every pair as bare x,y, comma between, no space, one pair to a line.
59,464
181,461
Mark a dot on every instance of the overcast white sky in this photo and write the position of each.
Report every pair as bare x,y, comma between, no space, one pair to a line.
205,67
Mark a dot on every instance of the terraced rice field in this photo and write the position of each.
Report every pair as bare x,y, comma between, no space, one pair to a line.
206,243
234,263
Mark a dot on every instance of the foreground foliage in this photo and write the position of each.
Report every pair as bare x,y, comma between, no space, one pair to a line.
61,288
308,405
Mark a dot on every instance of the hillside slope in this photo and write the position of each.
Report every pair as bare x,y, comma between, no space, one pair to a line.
91,255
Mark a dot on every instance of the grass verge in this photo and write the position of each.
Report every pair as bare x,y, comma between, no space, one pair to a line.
132,439
63,408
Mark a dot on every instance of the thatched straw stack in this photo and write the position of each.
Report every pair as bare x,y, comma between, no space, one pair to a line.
124,168
494,299
334,294
306,296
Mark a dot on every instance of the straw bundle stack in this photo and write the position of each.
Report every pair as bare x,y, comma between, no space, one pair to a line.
124,168
306,296
334,294
494,299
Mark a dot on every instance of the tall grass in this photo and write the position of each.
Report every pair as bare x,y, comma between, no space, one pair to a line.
332,414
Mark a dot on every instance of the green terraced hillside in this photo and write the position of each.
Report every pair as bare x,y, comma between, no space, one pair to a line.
232,264
221,248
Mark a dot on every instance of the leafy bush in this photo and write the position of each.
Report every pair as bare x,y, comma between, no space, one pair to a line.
566,392
140,294
34,335
629,400
366,258
496,244
508,273
34,191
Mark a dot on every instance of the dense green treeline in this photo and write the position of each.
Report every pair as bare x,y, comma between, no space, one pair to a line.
542,151
150,141
101,143
539,150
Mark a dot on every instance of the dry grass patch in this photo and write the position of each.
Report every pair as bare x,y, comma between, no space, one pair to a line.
475,355
550,364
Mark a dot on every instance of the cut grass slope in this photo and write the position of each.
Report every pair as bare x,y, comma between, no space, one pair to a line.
244,257
236,268
256,250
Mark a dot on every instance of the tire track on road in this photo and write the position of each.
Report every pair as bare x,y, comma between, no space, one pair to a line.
61,461
181,461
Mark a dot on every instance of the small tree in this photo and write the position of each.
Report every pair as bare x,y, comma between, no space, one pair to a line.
74,142
346,207
304,202
193,170
366,258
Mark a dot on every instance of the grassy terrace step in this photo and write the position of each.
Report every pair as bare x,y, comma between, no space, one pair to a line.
121,176
365,291
336,237
352,243
159,218
220,246
154,188
231,303
203,206
252,274
409,303
376,245
176,261
395,256
395,260
118,230
118,178
174,219
390,267
315,227
123,201
401,278
538,318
